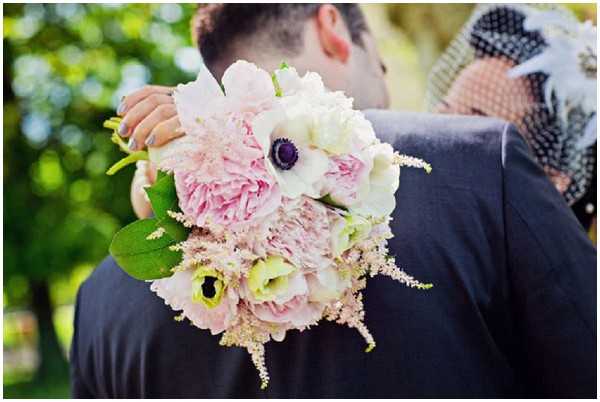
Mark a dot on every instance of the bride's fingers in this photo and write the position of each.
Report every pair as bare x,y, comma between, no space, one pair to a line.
139,95
142,109
141,132
164,132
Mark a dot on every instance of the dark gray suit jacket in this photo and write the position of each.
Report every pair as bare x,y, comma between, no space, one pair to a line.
512,313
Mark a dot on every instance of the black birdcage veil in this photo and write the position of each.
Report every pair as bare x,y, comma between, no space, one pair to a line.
476,75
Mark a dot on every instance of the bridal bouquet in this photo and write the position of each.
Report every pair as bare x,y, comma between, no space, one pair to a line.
270,213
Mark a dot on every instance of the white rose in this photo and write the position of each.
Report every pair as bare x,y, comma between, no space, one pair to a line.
327,285
290,82
332,131
384,180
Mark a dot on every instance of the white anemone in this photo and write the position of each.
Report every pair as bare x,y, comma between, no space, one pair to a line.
292,124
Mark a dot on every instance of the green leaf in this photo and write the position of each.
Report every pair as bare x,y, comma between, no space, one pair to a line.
163,198
175,229
163,195
142,258
128,160
283,65
160,174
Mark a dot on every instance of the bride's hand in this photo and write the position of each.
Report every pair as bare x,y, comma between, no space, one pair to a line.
149,117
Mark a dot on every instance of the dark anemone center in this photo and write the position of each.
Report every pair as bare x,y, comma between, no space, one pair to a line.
208,287
284,153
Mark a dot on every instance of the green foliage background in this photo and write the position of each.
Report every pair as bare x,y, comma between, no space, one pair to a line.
65,68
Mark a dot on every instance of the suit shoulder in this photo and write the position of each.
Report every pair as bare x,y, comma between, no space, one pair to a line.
437,132
107,275
463,150
113,297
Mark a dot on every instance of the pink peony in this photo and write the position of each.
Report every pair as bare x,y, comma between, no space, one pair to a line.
248,89
238,197
299,231
346,180
220,175
219,167
176,291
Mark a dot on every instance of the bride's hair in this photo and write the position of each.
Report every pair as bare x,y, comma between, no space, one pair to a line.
216,27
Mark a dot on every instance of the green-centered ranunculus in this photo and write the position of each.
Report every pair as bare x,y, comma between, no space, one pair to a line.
268,278
348,231
207,286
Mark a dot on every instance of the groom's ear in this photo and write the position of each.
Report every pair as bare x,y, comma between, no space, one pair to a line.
333,33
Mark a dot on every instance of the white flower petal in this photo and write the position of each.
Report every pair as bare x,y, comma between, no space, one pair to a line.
379,203
290,183
326,285
246,83
196,100
263,126
289,80
296,129
296,286
362,131
304,177
388,178
384,180
331,131
312,83
312,164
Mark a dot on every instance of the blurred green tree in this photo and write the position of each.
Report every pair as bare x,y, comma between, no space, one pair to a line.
442,22
65,68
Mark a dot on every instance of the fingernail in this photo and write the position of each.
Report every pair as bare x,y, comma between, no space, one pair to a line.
132,144
150,140
123,129
121,108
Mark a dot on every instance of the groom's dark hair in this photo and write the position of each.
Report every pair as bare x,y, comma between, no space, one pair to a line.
215,27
